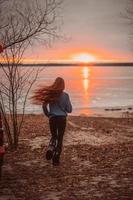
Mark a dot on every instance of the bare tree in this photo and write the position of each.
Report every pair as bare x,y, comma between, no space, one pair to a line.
16,82
26,21
31,19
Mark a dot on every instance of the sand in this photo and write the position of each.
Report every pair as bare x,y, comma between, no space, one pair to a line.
96,162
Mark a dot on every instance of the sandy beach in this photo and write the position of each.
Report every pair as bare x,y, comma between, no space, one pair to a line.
96,162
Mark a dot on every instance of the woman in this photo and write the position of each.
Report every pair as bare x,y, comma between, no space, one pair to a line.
56,104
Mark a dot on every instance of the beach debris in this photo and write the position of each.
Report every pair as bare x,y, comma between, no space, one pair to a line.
113,109
129,108
127,114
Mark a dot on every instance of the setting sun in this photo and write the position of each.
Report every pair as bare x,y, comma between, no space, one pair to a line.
84,58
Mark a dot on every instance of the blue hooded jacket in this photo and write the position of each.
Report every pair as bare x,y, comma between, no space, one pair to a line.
60,108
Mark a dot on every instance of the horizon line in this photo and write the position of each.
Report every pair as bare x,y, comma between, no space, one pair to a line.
52,64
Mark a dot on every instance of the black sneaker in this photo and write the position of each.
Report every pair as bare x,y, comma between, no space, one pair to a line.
49,153
56,159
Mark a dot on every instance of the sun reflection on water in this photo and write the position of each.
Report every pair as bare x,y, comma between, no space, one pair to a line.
86,81
86,72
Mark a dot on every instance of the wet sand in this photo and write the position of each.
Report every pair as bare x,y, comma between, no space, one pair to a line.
96,162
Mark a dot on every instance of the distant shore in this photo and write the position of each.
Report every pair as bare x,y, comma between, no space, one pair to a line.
69,64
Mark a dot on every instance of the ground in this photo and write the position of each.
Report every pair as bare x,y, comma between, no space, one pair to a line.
96,162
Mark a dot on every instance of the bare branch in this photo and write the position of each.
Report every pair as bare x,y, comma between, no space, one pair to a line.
25,22
29,20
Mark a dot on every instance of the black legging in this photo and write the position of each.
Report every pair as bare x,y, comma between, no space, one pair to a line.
57,127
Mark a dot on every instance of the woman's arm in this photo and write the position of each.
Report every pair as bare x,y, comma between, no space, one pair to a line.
68,107
45,110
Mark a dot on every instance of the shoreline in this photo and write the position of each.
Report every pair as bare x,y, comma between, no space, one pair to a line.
110,111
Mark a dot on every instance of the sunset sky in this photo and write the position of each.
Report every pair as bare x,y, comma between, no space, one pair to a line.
96,28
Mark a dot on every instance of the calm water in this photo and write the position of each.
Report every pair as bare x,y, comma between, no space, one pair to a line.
91,88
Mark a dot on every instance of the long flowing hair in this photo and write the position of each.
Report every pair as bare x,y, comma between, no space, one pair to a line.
49,94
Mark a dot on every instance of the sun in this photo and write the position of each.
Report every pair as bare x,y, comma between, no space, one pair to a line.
84,57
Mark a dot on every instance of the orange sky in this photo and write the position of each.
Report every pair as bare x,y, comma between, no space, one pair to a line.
67,54
94,27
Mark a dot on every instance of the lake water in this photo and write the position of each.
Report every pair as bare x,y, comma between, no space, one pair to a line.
91,89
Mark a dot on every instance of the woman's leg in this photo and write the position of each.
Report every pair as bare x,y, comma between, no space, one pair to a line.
52,143
61,129
61,125
53,130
